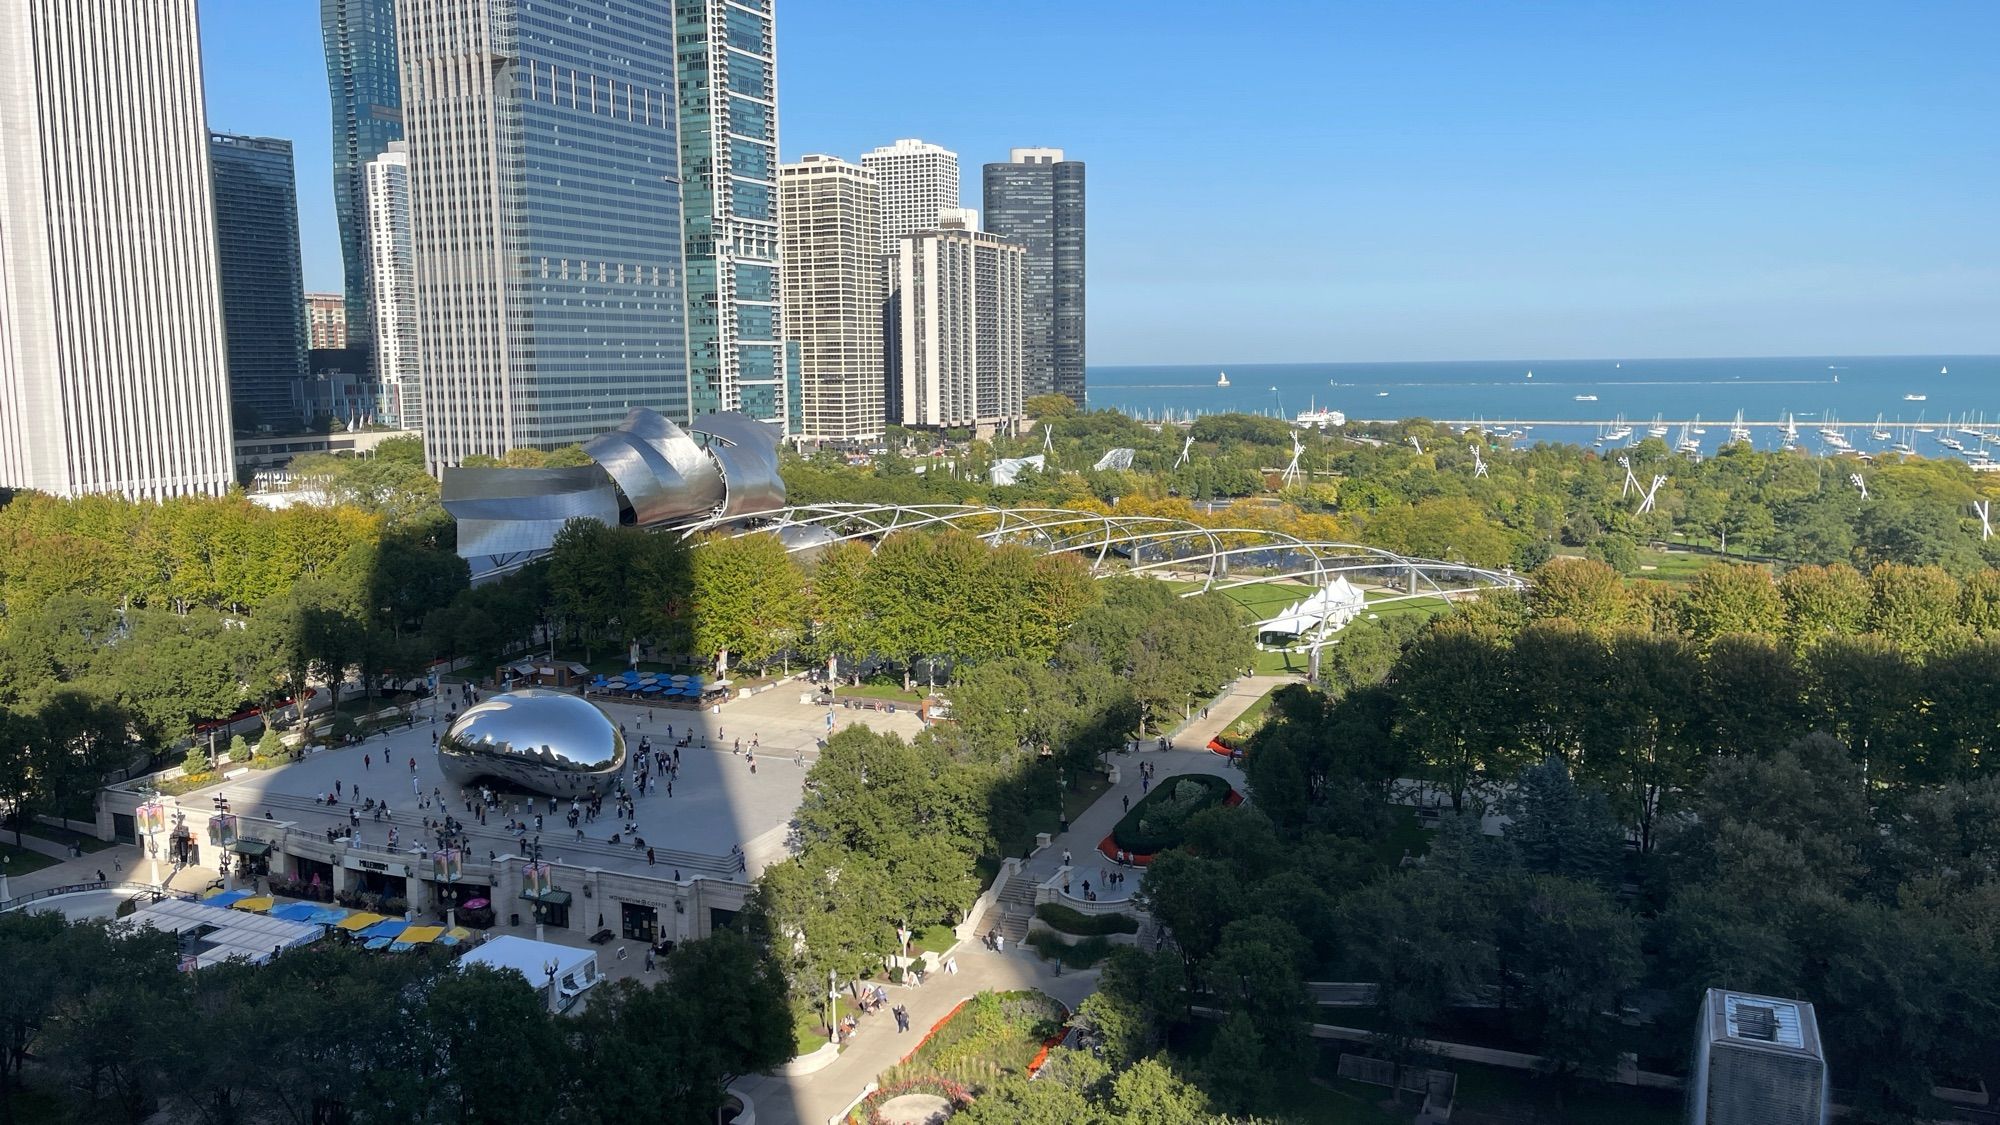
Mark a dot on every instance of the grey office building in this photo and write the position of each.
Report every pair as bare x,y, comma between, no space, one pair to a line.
1037,200
263,297
545,217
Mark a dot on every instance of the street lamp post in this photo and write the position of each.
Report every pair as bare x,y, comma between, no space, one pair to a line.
549,968
6,861
832,1007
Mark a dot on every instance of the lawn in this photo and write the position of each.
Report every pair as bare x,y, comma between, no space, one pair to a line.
1081,794
69,836
1521,1096
883,689
20,861
809,1028
1672,566
1252,716
934,938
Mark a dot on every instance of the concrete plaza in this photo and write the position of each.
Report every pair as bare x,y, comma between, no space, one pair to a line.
717,802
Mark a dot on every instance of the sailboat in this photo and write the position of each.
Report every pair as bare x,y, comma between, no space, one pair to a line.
1620,430
1879,433
1904,447
1699,430
1687,444
1222,380
1657,429
1944,370
1791,435
1738,431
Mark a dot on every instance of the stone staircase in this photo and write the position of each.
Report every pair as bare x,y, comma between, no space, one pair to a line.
1016,903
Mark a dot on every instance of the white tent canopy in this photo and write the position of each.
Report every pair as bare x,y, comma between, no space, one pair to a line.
220,934
1119,459
1334,604
1008,470
576,969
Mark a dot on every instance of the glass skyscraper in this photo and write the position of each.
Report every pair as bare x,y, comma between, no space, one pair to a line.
1036,199
545,219
729,159
360,39
263,297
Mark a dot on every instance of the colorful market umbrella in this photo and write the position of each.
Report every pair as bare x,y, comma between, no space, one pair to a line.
420,935
360,920
295,911
387,927
226,898
475,903
377,943
258,904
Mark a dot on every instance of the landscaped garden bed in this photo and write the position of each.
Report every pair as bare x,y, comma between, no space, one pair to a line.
1079,924
1159,820
984,1039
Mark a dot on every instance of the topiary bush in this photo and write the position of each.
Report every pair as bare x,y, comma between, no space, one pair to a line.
1158,821
270,746
1079,924
239,749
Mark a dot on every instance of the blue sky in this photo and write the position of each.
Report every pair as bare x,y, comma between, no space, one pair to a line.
1403,179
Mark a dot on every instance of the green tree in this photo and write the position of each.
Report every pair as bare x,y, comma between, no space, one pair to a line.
1731,598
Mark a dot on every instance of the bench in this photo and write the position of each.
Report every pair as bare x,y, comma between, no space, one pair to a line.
602,936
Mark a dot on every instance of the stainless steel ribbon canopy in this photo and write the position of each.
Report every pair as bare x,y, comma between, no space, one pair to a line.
648,472
545,741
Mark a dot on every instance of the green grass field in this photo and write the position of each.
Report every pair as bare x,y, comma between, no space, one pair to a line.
20,861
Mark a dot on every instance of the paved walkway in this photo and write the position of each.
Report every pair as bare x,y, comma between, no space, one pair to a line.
1189,755
812,1099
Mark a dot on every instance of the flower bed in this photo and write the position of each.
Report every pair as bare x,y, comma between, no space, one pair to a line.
982,1040
1158,821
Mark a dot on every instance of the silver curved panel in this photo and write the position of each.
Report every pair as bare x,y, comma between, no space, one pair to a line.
747,450
545,741
663,472
510,511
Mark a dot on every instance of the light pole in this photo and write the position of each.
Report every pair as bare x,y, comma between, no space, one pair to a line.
832,1002
6,861
549,968
450,908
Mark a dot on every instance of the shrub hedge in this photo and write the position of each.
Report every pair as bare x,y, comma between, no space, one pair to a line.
1078,924
1158,820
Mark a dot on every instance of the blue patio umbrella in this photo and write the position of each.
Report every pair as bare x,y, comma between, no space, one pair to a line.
327,915
294,911
629,676
226,898
387,928
377,943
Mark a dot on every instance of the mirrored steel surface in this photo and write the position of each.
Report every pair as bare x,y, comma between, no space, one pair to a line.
545,741
747,450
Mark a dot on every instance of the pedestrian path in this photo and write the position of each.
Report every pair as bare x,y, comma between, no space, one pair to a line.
812,1099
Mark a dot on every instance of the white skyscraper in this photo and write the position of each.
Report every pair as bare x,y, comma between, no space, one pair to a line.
392,277
833,291
112,371
918,181
959,332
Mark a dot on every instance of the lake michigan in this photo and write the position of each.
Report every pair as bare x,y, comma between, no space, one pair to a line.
1848,391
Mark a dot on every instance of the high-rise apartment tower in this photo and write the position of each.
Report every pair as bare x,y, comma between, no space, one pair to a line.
361,74
1036,199
832,213
919,180
729,168
112,375
545,217
326,320
263,300
392,274
958,328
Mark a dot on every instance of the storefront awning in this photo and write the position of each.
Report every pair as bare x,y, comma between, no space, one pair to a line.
553,898
255,849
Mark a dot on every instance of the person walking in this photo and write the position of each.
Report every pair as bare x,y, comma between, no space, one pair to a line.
365,759
1065,857
1127,798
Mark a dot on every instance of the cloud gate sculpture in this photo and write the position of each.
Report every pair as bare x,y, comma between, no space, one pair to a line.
646,472
548,742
